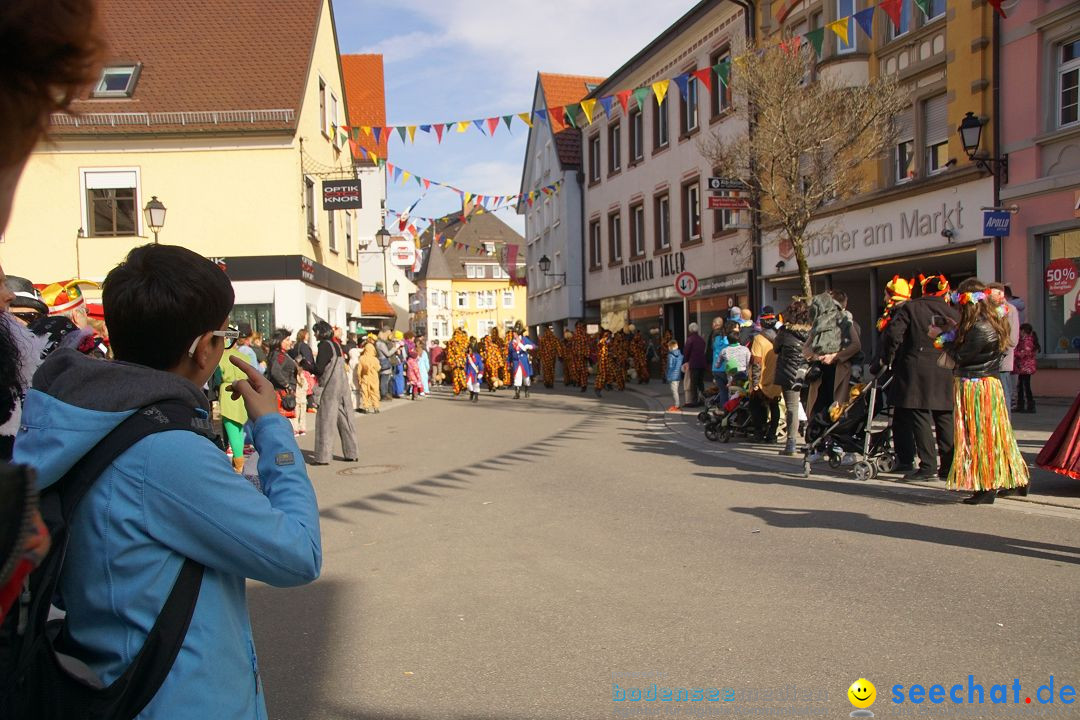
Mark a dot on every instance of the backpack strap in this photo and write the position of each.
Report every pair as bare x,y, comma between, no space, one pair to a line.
138,684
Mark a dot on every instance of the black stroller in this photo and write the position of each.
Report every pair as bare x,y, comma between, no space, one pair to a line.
847,429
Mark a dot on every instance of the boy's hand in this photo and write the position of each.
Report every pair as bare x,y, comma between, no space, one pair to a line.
259,395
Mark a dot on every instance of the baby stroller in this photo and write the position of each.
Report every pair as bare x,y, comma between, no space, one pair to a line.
733,418
846,429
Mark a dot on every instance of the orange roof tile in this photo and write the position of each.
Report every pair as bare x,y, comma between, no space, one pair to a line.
365,96
374,304
566,89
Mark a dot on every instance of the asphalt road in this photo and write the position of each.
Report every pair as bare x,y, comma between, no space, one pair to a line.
518,559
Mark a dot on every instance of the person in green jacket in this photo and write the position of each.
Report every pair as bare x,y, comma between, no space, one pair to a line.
233,413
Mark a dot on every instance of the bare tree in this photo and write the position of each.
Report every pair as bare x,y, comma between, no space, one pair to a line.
807,141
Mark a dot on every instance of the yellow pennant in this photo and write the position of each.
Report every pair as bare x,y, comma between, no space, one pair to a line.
842,29
405,175
412,133
660,90
468,198
525,118
366,129
587,107
462,126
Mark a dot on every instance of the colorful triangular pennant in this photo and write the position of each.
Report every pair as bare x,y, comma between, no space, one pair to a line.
526,118
642,97
865,19
660,88
624,99
587,107
892,8
683,81
841,28
607,102
817,39
704,76
723,71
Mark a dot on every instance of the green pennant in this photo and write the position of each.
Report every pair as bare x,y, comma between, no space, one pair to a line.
642,96
507,119
723,71
817,39
355,133
568,111
401,132
924,5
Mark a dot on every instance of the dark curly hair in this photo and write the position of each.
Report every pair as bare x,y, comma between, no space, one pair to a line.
11,388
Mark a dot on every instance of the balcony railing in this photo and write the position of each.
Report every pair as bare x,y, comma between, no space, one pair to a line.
216,117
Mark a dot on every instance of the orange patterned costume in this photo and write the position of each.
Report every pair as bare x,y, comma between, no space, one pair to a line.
603,361
638,356
456,350
549,353
620,353
578,357
493,351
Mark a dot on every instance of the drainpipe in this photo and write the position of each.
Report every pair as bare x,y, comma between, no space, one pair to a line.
995,39
585,239
749,17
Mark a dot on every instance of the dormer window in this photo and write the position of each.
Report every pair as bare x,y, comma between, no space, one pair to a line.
117,81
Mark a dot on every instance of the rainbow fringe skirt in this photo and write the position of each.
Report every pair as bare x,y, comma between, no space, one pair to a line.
986,456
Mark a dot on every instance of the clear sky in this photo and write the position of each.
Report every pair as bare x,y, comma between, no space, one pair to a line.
450,60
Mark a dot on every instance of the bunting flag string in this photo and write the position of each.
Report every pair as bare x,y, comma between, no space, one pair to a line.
489,202
584,113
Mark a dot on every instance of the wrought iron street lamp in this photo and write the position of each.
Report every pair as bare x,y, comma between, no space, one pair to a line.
545,265
382,237
396,287
155,215
970,130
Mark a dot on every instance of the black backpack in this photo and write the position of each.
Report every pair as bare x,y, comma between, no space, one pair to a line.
38,680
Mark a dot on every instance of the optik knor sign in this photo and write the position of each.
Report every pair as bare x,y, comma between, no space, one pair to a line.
341,195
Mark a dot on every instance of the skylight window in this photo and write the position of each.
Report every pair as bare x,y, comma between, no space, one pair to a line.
117,81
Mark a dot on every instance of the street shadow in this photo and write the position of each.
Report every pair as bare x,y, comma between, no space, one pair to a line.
790,518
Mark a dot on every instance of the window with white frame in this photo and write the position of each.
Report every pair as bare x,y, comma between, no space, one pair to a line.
485,300
905,21
934,9
309,206
498,273
719,95
594,159
444,328
595,257
691,207
331,235
463,300
489,248
435,299
117,81
508,298
660,124
845,8
473,271
349,235
322,106
936,130
111,198
689,116
333,119
484,326
904,151
1069,83
637,135
444,299
663,222
614,148
615,237
637,230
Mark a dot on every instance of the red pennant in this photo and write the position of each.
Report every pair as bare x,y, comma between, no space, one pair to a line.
439,127
892,8
624,99
704,76
492,123
427,184
996,4
555,116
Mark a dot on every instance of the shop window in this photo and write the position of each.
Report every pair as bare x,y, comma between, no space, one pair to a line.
1069,83
688,117
637,231
615,238
660,124
614,148
637,136
720,95
663,221
1061,299
259,316
936,129
691,212
594,159
846,8
595,258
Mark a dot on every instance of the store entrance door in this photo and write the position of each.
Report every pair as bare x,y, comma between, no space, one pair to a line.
675,321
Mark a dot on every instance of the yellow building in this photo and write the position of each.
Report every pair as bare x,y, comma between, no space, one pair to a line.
229,114
922,209
465,280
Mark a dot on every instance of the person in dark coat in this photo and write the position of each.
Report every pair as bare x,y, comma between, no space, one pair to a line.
695,358
791,366
921,391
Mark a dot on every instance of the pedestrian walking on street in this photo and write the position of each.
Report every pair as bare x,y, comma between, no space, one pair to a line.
986,458
1027,348
233,413
335,412
695,358
921,390
412,375
305,359
996,294
388,356
764,393
424,359
673,373
791,367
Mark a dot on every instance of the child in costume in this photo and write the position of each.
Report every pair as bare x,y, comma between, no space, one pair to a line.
474,371
1024,366
412,373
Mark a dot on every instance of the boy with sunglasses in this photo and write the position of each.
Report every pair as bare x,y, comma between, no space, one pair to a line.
172,495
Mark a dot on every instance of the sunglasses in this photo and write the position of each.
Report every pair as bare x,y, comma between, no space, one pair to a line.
231,336
28,317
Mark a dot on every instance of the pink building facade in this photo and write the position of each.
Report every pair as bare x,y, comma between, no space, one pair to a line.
1039,105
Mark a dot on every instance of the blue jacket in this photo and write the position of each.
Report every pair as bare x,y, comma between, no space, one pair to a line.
673,372
171,495
719,343
520,357
472,375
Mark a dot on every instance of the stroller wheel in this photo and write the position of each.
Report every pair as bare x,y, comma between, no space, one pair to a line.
835,459
703,416
886,462
711,433
864,470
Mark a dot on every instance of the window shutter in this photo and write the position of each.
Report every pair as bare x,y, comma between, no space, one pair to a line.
936,120
905,126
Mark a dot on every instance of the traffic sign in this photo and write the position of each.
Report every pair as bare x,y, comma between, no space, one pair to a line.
686,284
718,183
720,202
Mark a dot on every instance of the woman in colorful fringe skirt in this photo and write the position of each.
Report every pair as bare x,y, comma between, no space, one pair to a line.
987,460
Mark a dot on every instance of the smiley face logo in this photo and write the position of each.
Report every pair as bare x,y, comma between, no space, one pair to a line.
862,693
